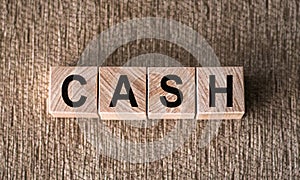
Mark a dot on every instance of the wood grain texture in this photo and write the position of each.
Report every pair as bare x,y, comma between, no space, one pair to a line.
156,110
220,109
109,78
261,36
58,107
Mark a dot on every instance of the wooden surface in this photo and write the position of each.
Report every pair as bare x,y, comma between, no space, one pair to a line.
186,109
123,109
261,36
57,105
220,109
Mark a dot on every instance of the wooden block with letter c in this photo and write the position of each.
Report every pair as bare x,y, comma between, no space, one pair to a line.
73,92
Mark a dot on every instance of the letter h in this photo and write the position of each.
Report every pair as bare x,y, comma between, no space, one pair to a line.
213,90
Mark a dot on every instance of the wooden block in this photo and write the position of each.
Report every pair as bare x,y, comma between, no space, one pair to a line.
122,93
217,97
73,92
171,93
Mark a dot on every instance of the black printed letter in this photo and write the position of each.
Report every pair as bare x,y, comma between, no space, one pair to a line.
172,90
129,95
65,87
213,90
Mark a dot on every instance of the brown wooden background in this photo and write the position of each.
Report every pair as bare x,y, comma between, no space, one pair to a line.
262,36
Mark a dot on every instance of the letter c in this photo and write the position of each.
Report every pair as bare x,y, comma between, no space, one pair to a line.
65,87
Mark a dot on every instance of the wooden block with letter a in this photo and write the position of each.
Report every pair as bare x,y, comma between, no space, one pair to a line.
122,93
73,92
220,93
171,93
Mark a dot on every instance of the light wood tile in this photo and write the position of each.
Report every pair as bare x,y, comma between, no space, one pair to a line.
206,108
82,86
186,85
123,109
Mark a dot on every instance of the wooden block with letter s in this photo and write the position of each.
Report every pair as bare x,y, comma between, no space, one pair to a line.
171,92
220,93
73,92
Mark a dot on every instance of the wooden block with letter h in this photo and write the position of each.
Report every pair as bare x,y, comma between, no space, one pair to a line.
220,93
73,92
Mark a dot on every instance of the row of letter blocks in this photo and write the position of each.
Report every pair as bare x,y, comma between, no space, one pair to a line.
135,93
